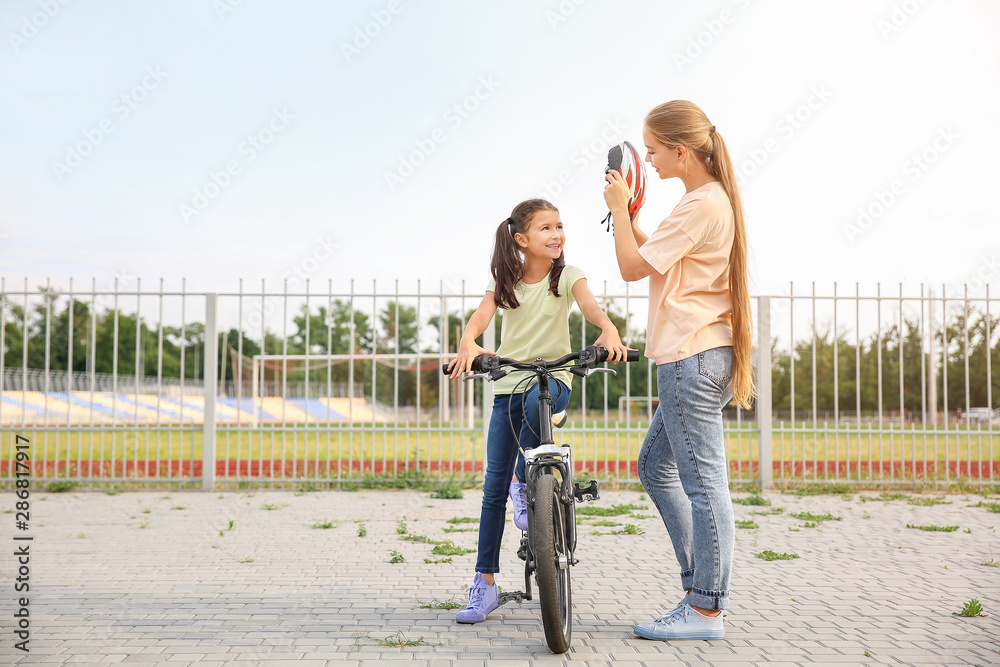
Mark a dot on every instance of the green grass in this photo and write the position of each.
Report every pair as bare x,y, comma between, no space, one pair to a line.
409,537
884,497
450,603
815,518
746,523
324,525
991,563
970,609
630,529
605,523
362,531
439,560
61,487
448,492
933,529
755,499
270,507
990,507
463,519
449,548
614,510
397,640
771,555
396,557
401,528
772,511
449,529
928,501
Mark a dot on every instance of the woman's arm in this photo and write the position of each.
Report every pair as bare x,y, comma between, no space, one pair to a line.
609,338
627,237
467,347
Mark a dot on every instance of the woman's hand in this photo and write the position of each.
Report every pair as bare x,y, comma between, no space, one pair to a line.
612,342
468,350
616,192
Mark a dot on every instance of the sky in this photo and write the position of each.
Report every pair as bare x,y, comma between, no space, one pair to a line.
224,139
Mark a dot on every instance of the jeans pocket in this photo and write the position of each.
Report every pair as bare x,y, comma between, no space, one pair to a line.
717,365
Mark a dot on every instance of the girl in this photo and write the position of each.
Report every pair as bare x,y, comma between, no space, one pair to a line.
536,289
698,334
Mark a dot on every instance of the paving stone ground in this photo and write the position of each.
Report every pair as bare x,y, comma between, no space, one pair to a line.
212,578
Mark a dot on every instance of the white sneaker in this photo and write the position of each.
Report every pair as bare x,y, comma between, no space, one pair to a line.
682,623
517,496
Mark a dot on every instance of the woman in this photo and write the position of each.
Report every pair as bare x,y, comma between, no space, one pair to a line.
699,336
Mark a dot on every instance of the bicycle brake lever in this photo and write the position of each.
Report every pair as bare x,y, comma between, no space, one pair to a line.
591,371
476,376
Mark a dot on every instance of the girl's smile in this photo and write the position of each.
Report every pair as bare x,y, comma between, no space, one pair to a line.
545,237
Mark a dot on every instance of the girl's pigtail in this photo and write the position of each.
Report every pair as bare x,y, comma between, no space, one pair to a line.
506,266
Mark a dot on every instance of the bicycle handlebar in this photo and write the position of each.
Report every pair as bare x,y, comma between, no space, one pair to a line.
487,363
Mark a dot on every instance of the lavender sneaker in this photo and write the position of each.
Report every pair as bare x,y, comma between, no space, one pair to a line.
517,496
482,600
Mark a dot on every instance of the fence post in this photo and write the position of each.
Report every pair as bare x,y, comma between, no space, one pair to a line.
765,463
211,376
489,342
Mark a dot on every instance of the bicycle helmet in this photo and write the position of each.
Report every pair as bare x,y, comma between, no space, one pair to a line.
625,159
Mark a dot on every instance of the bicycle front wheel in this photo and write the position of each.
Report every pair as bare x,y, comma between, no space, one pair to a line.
552,562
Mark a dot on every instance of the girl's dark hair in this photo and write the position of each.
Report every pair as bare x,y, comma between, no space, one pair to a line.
507,265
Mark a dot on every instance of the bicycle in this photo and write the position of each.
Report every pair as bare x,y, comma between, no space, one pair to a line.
548,546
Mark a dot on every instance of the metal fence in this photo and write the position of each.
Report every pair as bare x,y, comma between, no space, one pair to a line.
261,387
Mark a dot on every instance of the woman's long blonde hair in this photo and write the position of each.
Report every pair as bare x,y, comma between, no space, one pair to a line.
681,123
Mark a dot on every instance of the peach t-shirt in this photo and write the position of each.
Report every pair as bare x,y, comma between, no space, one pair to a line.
690,307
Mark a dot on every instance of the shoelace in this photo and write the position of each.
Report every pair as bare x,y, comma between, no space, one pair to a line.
674,615
476,593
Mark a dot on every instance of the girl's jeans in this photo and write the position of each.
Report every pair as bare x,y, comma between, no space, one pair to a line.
682,466
502,455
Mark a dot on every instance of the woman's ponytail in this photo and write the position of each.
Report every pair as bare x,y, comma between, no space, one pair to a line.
681,123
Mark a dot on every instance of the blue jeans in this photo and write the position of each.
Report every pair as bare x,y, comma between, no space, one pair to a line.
682,465
502,456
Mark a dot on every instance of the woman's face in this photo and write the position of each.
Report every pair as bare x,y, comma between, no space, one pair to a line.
664,159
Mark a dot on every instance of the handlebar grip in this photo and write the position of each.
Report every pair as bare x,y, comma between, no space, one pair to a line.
602,355
481,364
444,369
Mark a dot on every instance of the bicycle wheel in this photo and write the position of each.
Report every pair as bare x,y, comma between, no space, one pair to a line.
552,564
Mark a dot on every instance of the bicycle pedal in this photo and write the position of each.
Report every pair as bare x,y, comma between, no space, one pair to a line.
513,596
522,551
585,491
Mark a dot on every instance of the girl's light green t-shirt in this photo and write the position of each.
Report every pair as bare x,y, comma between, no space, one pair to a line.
538,327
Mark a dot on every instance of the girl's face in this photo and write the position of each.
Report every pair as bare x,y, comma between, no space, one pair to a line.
545,237
665,160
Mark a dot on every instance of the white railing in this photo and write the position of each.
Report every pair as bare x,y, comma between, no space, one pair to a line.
359,390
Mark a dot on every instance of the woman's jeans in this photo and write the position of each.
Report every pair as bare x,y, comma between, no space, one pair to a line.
682,466
502,455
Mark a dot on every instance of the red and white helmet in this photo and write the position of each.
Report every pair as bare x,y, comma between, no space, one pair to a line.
625,159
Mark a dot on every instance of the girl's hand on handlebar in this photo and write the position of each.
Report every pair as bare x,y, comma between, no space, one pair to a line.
467,352
612,342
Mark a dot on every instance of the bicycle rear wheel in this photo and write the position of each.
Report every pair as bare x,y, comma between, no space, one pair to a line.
552,563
